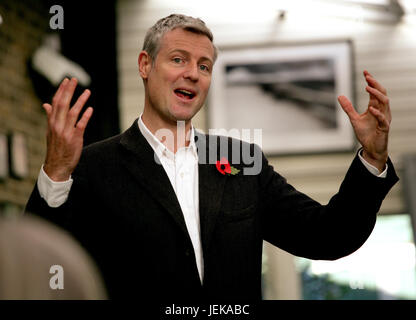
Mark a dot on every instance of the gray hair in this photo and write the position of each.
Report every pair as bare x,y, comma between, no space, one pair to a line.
154,35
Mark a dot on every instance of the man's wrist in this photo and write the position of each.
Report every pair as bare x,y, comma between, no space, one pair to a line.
56,175
54,193
379,162
373,170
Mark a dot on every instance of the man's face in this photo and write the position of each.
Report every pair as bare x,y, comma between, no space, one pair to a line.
179,79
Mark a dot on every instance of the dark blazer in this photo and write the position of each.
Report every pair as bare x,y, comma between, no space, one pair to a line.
124,211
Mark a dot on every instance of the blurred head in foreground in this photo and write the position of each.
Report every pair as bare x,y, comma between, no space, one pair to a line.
40,261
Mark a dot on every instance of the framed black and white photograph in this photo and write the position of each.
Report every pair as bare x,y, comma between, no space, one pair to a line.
288,92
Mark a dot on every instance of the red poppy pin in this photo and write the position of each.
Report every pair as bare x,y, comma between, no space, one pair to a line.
224,167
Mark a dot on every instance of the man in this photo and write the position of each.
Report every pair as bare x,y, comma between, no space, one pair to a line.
165,222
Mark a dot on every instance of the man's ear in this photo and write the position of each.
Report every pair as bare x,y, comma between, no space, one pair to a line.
145,64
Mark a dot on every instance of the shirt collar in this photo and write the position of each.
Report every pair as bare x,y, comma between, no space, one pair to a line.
160,149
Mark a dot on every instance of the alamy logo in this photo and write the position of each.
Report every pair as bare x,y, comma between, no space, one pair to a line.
208,146
57,20
57,280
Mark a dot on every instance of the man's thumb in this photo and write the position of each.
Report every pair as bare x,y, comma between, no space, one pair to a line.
347,107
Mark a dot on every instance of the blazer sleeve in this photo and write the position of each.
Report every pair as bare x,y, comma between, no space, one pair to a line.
298,224
69,215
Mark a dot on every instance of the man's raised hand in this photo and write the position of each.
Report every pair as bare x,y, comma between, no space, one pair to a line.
371,127
65,136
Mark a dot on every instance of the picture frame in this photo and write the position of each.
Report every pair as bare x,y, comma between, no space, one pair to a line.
285,96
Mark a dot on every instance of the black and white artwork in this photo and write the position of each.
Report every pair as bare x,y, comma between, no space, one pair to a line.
289,93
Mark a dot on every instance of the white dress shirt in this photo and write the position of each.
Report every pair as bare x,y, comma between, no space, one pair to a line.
182,170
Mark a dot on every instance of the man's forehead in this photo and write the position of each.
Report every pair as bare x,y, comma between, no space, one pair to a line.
184,40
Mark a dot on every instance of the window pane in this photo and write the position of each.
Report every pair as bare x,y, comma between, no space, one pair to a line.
383,268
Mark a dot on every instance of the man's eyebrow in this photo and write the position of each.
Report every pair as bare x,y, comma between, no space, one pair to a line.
187,54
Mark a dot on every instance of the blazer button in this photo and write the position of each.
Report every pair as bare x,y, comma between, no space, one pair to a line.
187,252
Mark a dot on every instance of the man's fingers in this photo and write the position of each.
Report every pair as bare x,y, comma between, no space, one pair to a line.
58,92
372,82
64,101
82,123
367,73
381,118
348,107
380,96
56,98
48,109
76,109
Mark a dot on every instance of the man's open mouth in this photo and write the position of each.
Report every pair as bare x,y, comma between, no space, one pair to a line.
185,94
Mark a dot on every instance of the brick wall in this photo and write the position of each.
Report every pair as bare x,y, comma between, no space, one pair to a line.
24,25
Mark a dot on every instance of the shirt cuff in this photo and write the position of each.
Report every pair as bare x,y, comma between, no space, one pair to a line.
371,168
55,193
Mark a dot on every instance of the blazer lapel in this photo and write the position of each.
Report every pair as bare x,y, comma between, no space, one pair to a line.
140,161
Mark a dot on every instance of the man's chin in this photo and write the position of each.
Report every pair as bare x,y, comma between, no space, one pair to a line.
183,116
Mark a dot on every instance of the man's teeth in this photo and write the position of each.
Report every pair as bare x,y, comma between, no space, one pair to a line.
185,92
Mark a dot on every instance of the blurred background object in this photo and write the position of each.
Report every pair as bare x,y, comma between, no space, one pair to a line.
33,251
49,67
104,40
409,181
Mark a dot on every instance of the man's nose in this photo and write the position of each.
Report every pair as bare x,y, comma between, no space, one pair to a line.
191,72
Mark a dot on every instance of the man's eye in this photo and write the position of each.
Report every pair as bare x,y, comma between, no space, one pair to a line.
203,67
177,60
